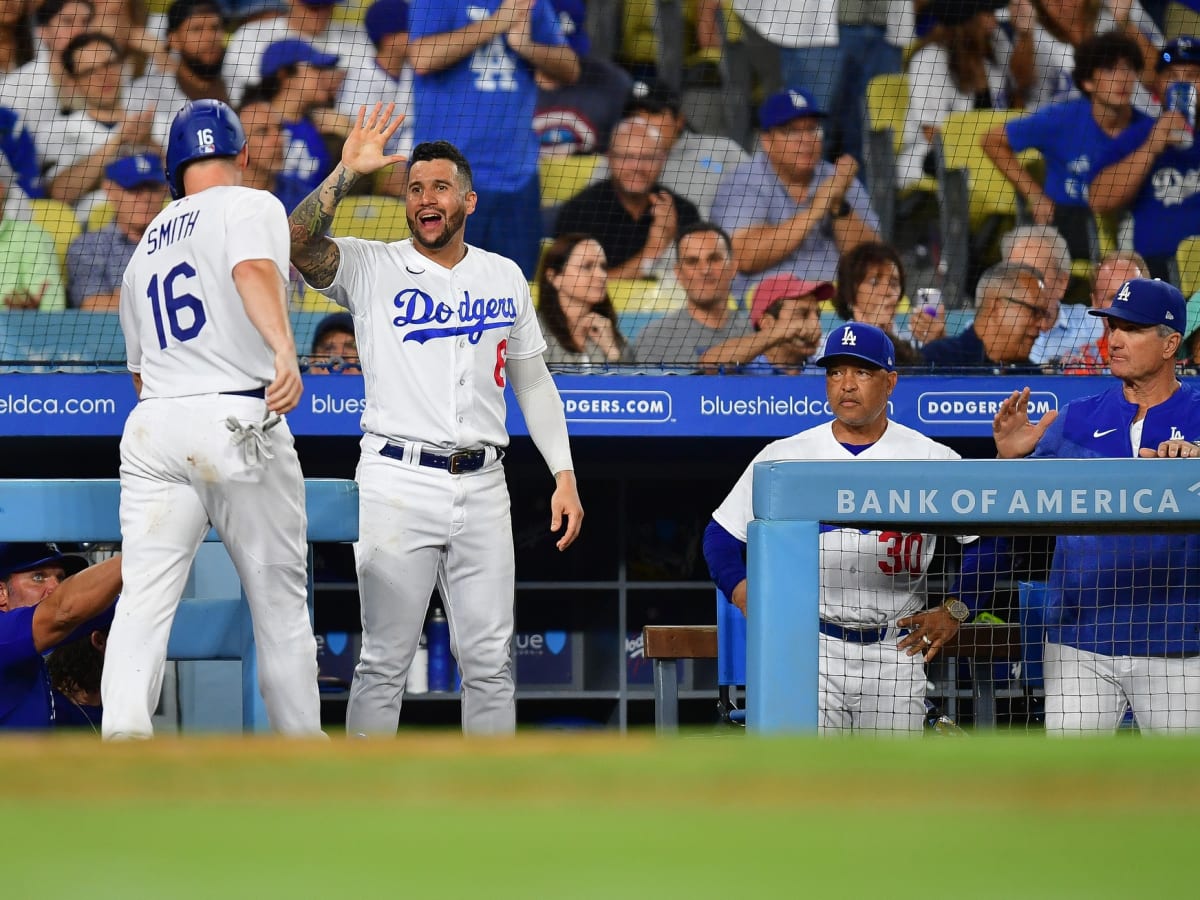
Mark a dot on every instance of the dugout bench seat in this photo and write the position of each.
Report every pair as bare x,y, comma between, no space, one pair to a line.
982,645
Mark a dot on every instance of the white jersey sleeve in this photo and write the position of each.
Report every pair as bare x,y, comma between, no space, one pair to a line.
185,324
868,577
433,341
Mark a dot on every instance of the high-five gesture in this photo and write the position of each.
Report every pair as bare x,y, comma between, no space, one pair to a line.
363,151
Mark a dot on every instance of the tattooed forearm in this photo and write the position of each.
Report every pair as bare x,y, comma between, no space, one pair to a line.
312,252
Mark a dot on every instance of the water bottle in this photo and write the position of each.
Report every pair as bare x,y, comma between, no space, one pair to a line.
437,636
1180,96
418,672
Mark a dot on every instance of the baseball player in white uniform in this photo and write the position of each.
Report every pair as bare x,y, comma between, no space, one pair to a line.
204,311
873,583
441,326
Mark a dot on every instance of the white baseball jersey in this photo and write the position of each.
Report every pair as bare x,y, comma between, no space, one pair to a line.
867,577
186,329
433,341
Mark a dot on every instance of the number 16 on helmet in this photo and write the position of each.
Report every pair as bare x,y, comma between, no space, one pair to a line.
202,129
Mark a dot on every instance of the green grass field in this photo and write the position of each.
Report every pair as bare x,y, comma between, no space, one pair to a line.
599,816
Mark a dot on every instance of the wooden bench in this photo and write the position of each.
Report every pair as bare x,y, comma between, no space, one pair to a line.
665,645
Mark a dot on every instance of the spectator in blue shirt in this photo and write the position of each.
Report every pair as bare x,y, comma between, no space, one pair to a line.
41,608
136,187
1150,173
1073,136
298,76
475,63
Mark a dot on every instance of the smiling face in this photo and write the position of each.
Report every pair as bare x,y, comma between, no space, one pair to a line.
436,204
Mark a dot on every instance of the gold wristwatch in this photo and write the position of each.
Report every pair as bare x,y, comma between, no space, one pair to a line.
958,610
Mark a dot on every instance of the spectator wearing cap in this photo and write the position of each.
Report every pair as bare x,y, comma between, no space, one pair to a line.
136,187
333,346
481,56
1012,311
634,218
263,125
296,74
196,44
870,285
79,145
386,79
1071,136
966,66
307,20
788,210
1124,632
1148,172
30,277
40,89
47,598
579,117
696,163
786,316
702,334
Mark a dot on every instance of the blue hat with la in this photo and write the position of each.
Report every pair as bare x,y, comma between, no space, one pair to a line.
131,172
1147,302
786,106
858,340
26,556
293,52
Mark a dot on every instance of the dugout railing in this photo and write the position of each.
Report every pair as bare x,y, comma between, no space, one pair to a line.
965,497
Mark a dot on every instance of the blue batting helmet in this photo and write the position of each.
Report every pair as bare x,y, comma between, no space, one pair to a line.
202,129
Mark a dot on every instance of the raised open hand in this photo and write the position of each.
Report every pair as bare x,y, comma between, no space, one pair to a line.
363,151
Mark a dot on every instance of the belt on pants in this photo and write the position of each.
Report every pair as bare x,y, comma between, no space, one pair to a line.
258,393
853,635
456,463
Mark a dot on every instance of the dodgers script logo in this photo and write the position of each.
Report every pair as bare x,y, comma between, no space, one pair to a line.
475,315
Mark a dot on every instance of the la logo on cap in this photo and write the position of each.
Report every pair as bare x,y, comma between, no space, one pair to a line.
798,100
1123,294
143,164
849,339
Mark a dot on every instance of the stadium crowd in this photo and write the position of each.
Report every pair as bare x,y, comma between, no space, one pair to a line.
1062,101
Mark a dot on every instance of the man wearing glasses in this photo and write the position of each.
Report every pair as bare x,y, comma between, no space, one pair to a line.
1013,309
788,211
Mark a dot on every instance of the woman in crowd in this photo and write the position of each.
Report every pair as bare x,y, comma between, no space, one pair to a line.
870,283
965,66
576,313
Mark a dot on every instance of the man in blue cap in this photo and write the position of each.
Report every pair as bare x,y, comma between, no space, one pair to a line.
136,187
301,79
788,211
41,608
1123,612
875,629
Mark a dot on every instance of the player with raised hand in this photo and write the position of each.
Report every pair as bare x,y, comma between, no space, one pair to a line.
441,327
204,311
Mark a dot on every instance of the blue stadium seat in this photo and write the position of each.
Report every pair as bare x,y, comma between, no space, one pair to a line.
40,341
